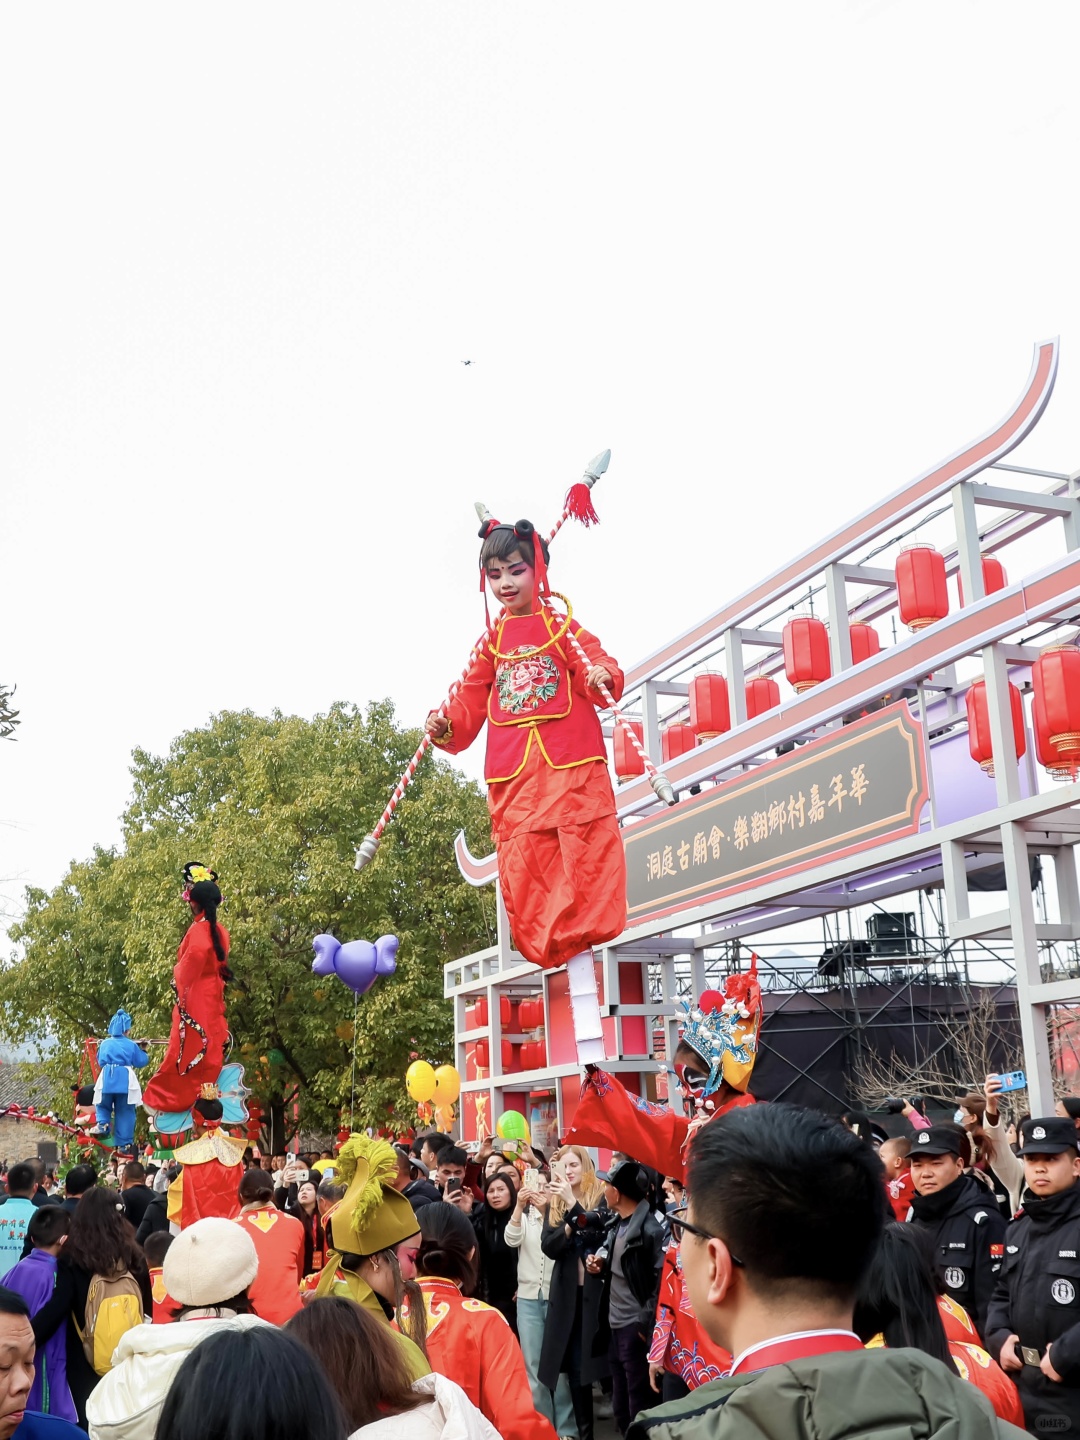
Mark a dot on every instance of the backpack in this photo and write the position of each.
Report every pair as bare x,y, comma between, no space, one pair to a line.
114,1305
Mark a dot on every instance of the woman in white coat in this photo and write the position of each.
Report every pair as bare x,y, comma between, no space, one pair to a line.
207,1270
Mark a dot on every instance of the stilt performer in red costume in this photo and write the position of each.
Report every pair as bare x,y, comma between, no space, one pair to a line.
199,1032
713,1062
536,677
537,685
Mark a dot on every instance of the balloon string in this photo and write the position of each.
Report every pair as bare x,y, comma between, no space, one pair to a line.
352,1082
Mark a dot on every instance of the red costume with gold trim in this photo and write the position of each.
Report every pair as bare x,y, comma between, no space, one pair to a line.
199,1030
472,1344
549,792
209,1182
723,1031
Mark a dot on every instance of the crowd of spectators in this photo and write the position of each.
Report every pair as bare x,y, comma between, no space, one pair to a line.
524,1304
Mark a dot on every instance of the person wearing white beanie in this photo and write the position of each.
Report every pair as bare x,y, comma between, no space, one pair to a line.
208,1270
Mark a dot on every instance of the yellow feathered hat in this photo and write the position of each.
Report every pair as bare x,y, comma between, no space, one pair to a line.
372,1216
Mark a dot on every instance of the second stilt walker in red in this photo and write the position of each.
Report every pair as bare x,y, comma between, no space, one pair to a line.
561,863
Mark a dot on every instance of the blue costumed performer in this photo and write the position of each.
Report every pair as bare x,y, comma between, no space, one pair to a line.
118,1091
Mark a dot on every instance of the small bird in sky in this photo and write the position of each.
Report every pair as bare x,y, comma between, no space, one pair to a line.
466,362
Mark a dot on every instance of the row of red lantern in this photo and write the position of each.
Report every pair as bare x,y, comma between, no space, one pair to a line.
532,1055
923,598
1055,678
922,591
710,715
516,1016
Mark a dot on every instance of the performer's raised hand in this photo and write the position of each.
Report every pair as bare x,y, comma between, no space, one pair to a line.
436,725
597,675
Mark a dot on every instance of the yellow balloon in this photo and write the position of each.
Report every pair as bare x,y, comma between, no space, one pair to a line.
447,1085
420,1081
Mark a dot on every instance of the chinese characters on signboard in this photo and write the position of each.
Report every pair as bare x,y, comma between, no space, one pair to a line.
850,789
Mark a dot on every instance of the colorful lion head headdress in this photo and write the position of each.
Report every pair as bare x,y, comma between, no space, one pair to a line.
723,1029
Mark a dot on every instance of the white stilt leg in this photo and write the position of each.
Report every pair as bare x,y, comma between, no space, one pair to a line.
585,1005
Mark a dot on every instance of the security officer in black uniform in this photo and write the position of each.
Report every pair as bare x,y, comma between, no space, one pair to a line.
961,1217
1033,1326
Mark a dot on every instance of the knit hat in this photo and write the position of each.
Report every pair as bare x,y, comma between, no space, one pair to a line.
372,1216
210,1262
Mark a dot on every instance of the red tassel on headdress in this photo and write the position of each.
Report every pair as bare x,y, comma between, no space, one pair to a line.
579,504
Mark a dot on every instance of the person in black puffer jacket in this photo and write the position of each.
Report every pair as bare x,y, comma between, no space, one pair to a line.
963,1223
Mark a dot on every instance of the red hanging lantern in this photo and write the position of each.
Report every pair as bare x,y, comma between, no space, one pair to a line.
628,763
1056,679
541,1054
676,740
506,1011
994,577
508,1056
865,641
978,716
481,1054
806,652
342,1135
481,1012
710,713
921,589
762,693
525,1016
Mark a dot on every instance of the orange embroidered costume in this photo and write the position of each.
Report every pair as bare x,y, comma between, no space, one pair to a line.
549,791
199,1031
722,1030
472,1344
279,1243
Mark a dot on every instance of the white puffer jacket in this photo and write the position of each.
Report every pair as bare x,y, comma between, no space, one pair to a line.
125,1403
450,1415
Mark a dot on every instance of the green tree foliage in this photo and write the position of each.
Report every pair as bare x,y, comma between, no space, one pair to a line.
276,805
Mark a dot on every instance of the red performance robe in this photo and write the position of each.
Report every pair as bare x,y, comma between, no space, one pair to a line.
471,1344
679,1344
549,792
654,1135
609,1115
208,1183
199,1031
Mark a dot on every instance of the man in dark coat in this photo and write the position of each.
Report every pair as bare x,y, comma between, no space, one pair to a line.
1033,1325
135,1194
630,1270
960,1216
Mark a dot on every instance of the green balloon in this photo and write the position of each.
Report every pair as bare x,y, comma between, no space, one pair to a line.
512,1125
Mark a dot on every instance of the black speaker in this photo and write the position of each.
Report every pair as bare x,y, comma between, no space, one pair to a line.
891,934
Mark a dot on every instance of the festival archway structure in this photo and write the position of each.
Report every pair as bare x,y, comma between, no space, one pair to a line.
849,756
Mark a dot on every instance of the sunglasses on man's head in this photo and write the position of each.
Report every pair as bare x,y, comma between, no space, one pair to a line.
679,1227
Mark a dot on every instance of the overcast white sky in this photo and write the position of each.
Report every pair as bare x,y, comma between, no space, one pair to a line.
779,258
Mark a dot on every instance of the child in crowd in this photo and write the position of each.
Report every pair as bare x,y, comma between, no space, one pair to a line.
35,1279
155,1248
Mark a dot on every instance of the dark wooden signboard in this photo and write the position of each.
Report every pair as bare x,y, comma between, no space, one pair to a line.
845,792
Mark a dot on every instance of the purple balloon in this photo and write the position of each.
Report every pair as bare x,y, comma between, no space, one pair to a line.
357,964
325,947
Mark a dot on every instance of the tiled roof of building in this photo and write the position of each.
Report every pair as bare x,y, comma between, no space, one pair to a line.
23,1084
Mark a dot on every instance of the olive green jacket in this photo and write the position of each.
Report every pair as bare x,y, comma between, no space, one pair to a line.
849,1395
